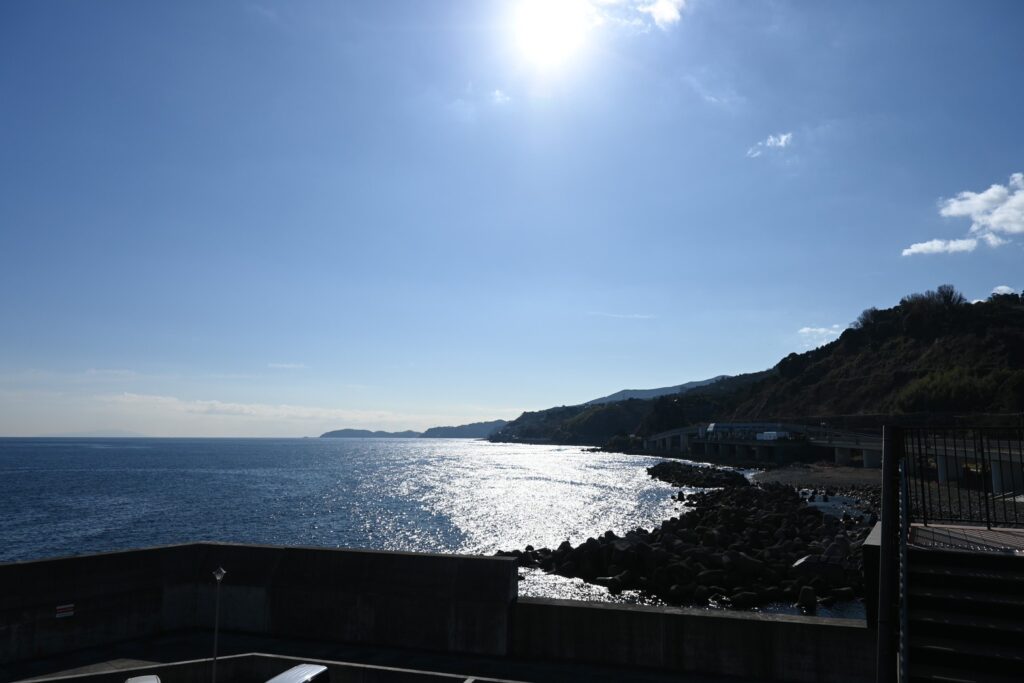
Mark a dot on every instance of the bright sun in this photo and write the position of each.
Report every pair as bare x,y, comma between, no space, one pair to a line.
549,32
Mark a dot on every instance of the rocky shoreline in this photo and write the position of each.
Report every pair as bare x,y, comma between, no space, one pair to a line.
681,474
738,545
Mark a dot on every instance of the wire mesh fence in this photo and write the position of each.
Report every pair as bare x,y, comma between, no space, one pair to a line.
965,476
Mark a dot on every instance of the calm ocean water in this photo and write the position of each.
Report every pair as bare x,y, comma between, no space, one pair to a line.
71,496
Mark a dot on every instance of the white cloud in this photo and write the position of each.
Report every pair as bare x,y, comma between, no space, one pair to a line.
780,141
941,247
999,209
665,13
994,213
814,337
1004,289
287,366
993,240
498,97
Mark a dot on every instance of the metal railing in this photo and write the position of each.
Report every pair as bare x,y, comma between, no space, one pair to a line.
954,476
965,476
903,643
890,658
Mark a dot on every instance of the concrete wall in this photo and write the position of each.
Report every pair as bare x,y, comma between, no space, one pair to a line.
437,602
872,551
746,644
116,596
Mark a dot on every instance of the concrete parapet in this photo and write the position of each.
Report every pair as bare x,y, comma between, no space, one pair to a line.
751,645
447,603
417,602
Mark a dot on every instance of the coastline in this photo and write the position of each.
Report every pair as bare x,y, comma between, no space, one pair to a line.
790,537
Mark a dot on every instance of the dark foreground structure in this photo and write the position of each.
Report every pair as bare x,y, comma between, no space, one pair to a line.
453,615
949,548
944,577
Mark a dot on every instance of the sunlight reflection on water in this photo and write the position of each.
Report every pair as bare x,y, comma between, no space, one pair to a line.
62,497
72,496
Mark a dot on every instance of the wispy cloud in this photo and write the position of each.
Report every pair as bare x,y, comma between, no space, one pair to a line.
772,142
260,411
472,102
287,366
622,316
814,337
161,414
717,95
996,215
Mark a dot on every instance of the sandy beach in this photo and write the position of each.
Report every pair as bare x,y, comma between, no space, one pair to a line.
821,475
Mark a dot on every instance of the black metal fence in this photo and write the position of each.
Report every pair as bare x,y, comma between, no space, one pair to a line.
965,476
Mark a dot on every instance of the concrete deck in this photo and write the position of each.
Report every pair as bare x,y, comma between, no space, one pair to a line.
968,539
191,646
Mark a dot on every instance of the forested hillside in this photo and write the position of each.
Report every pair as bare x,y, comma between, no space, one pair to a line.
933,353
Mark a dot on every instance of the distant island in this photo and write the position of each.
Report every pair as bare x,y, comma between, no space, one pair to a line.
476,430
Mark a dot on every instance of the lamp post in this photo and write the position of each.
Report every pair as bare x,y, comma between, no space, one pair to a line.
218,574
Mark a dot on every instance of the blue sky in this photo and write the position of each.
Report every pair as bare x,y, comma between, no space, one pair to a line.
278,218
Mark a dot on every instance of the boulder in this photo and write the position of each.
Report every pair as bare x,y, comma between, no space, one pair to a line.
812,567
844,593
710,577
808,599
745,600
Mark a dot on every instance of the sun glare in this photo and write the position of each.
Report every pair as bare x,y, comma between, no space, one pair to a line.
549,32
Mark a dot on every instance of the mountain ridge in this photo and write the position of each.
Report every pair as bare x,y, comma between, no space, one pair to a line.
643,394
474,430
368,434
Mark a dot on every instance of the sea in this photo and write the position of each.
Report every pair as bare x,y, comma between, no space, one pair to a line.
68,496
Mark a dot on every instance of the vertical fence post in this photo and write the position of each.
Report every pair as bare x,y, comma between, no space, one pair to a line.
888,569
986,477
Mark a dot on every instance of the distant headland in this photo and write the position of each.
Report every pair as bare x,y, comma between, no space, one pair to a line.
476,430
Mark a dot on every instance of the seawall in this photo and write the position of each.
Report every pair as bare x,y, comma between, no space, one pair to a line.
439,603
